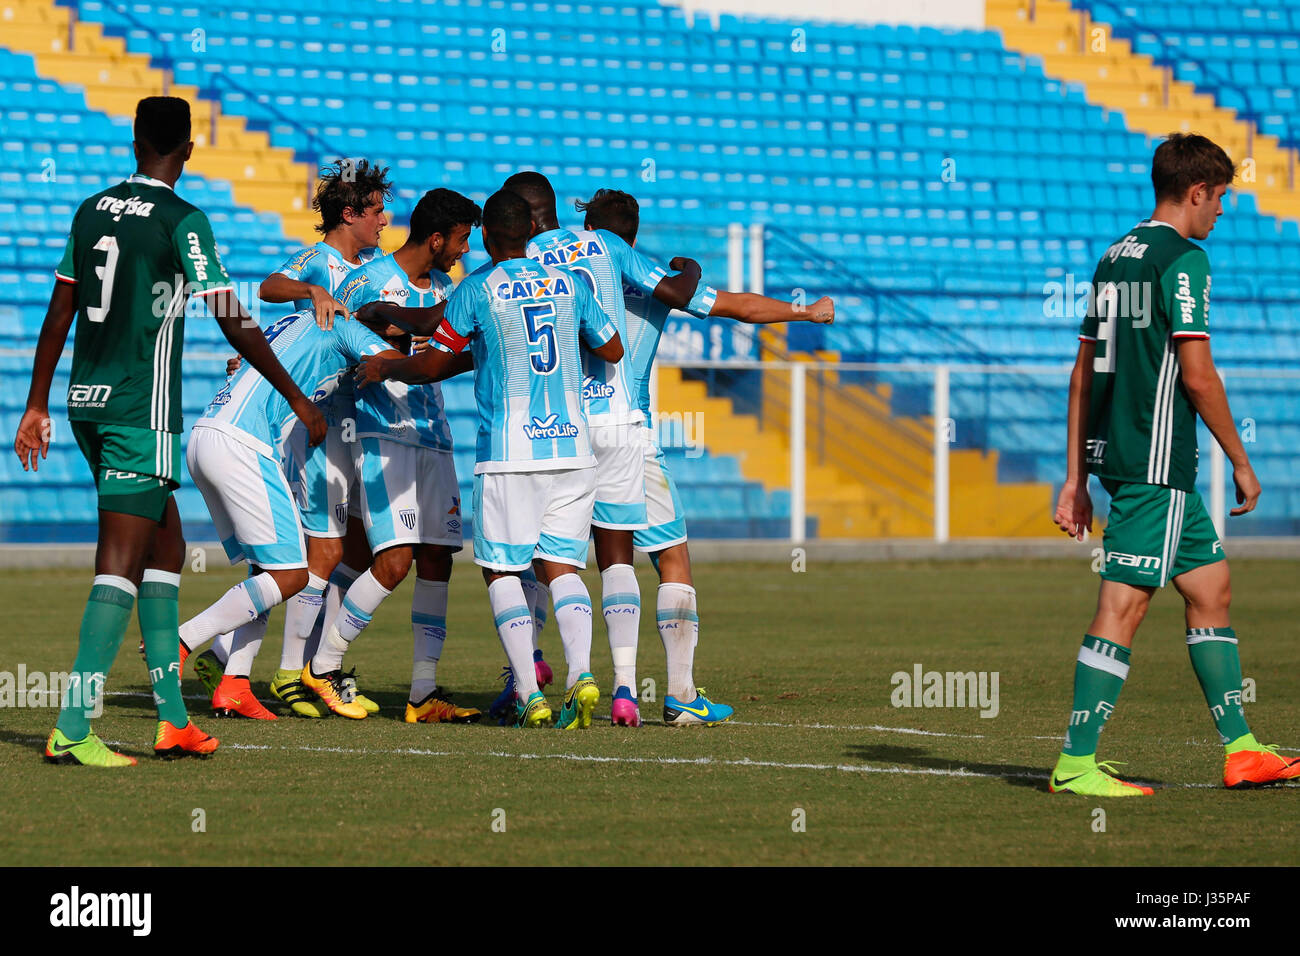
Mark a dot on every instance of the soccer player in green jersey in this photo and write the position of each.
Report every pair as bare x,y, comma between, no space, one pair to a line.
135,254
1142,376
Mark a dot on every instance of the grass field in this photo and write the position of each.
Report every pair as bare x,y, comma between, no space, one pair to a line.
806,659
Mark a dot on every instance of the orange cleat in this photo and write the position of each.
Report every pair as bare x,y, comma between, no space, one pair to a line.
1258,768
183,653
233,697
188,741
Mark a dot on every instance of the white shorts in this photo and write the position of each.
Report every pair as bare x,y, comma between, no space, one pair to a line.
522,515
249,500
620,452
663,506
321,479
409,495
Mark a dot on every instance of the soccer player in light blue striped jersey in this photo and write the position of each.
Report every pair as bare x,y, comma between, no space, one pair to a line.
350,198
619,433
410,499
665,539
234,456
534,477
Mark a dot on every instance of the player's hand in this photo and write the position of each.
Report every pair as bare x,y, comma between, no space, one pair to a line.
232,366
1074,510
326,307
370,370
310,416
366,314
822,311
1248,489
419,343
683,264
33,440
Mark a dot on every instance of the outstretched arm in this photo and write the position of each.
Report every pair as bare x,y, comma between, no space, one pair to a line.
242,332
676,291
429,365
764,310
33,439
1205,390
1074,506
422,322
280,288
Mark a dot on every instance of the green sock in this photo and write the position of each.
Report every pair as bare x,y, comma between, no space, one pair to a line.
160,623
1098,678
1213,651
108,611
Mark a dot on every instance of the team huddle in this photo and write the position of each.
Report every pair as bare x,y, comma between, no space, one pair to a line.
326,461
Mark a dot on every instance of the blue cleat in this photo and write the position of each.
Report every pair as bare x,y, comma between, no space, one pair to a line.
699,712
503,708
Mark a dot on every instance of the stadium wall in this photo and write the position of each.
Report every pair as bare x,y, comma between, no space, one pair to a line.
966,14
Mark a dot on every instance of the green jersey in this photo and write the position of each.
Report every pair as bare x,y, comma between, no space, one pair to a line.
1151,288
136,252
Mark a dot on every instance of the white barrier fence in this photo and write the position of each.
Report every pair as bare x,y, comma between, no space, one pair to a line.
1042,386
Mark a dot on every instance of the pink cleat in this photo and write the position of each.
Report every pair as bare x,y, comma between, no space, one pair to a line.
625,712
544,675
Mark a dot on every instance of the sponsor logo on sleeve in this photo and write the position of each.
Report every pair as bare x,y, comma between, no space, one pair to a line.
1186,301
198,257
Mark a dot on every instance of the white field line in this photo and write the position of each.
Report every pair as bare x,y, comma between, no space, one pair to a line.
873,728
658,761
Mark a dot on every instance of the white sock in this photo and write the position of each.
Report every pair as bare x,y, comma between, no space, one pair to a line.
240,605
679,628
359,606
515,628
428,632
340,580
221,646
573,621
247,641
621,606
538,595
300,614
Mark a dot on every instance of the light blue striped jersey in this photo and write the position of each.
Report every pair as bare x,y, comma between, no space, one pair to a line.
523,322
323,265
646,316
410,414
253,412
606,264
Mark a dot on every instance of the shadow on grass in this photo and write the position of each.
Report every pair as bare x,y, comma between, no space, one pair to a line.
1017,775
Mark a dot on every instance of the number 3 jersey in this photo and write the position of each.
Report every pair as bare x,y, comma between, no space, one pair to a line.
136,252
1151,289
523,322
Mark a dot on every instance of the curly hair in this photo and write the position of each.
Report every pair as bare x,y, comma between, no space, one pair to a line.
348,184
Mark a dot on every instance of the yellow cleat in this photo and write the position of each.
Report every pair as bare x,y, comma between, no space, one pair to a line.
436,709
350,692
287,686
328,687
535,713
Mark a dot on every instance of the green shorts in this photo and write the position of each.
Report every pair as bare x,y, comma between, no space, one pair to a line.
1155,534
134,468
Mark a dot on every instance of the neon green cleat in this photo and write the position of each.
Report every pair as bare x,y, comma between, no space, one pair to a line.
209,670
89,751
288,687
579,702
535,713
1086,776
